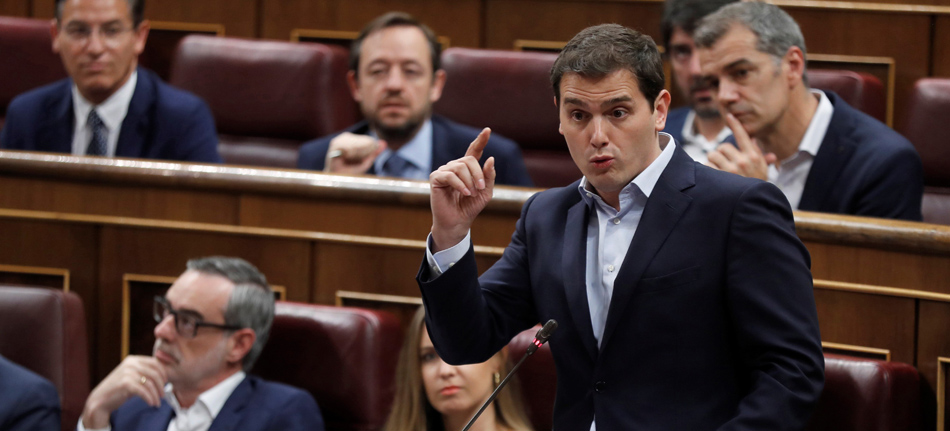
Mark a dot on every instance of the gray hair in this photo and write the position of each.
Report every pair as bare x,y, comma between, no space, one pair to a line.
252,301
775,30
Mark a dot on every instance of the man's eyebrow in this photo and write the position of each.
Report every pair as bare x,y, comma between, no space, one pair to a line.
616,100
573,101
191,312
737,63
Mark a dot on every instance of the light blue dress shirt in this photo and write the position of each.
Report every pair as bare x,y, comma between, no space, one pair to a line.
418,152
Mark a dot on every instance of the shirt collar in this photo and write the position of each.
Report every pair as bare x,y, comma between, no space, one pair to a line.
644,182
213,399
690,134
418,151
818,125
112,111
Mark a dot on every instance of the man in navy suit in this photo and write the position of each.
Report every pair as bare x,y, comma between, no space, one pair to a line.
212,325
108,106
683,294
823,154
697,127
28,402
395,76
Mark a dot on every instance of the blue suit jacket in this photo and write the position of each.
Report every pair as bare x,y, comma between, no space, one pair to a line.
254,405
28,402
162,122
712,324
449,142
675,121
864,168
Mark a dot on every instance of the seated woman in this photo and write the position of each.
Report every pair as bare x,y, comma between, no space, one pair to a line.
434,396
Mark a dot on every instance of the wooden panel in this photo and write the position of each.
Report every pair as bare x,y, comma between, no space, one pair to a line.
403,307
880,267
163,252
510,20
54,278
933,342
58,245
163,39
942,47
882,68
44,8
15,8
859,33
855,319
411,222
373,268
458,20
116,199
239,17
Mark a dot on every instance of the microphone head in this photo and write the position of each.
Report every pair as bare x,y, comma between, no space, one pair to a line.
546,331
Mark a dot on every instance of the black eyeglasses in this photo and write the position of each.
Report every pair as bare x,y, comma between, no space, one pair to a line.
186,322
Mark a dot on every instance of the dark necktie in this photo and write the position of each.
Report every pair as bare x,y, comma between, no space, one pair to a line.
97,144
395,166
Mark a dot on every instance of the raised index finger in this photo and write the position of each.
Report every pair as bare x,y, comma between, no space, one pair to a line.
742,138
477,146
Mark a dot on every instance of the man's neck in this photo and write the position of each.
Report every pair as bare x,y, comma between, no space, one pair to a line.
786,136
187,395
709,127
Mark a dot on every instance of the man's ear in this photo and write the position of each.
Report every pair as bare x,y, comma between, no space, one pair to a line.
240,344
795,59
560,128
661,107
54,32
141,35
438,83
354,85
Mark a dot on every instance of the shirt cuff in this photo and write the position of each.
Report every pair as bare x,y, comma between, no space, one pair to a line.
79,427
443,260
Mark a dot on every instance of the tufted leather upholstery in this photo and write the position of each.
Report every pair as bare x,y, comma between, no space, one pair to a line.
862,91
867,395
44,330
345,357
28,59
511,93
926,119
267,96
860,394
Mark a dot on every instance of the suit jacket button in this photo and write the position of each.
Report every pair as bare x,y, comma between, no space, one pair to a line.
599,386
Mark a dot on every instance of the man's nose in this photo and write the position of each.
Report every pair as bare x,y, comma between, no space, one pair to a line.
166,328
395,80
727,93
694,65
96,42
598,136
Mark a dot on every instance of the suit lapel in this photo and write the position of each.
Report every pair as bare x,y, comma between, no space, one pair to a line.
56,131
663,210
835,151
157,419
230,415
441,153
135,126
574,262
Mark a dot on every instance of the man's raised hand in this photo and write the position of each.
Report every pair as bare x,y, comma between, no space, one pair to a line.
748,160
460,190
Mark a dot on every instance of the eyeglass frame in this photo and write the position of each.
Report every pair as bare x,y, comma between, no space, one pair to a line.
81,34
167,306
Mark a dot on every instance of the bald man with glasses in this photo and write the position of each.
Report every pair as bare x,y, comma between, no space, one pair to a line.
212,325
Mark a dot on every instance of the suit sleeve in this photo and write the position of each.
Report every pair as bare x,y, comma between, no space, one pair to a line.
37,409
773,314
313,154
470,318
200,137
300,414
11,134
893,188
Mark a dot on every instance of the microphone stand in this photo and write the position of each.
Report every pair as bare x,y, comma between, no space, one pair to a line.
539,339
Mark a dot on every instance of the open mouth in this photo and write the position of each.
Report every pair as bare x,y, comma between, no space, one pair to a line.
602,162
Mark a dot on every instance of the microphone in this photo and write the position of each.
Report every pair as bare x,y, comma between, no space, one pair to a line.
539,339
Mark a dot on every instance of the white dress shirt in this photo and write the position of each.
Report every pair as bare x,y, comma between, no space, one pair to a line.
695,144
202,413
609,234
789,175
112,112
418,152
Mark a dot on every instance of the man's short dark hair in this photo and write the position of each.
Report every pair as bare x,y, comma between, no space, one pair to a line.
395,19
136,7
251,304
685,14
597,51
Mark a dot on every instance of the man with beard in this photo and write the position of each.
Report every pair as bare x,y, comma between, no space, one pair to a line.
212,325
698,128
395,76
823,154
